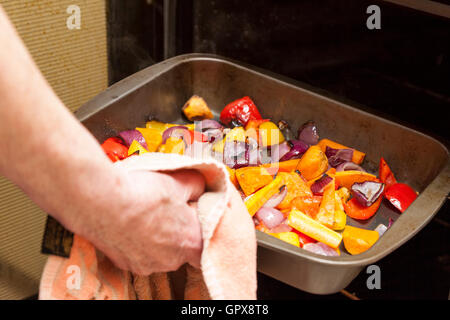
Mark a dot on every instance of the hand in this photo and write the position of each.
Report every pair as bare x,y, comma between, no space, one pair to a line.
149,224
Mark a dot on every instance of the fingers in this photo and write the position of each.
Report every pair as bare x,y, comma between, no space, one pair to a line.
190,184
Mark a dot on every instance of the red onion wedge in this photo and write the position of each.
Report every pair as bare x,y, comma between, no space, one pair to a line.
298,148
277,198
279,151
180,132
212,129
338,156
308,133
270,217
319,185
235,154
321,248
367,192
130,135
204,125
345,166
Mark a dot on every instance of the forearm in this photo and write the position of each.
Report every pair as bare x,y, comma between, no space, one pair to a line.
44,149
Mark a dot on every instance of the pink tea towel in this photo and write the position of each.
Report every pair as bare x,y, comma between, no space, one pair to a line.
228,261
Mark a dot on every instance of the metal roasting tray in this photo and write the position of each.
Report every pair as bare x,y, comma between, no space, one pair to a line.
417,159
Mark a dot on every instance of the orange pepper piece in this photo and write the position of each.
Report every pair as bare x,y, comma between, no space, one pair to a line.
313,163
327,206
296,187
252,179
357,240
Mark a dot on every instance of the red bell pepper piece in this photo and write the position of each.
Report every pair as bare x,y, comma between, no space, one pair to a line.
303,238
115,149
241,111
386,175
401,196
356,211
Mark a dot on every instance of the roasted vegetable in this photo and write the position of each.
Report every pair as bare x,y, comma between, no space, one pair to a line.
327,206
357,158
236,134
295,186
252,179
289,237
114,149
136,147
196,109
348,178
307,204
161,126
173,145
357,211
313,163
269,134
386,175
282,166
232,175
313,229
357,240
401,196
153,138
257,200
240,111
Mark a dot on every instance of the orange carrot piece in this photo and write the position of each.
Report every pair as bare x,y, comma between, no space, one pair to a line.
282,166
358,156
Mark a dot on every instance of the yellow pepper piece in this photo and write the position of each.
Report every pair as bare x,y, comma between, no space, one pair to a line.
172,145
236,134
289,237
136,146
357,240
161,126
344,194
269,134
340,219
153,138
255,202
301,222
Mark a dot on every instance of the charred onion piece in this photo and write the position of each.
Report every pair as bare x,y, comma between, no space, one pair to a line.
130,135
180,132
345,166
319,185
367,192
338,156
308,133
298,148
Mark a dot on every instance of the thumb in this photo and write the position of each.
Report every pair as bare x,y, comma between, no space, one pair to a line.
190,184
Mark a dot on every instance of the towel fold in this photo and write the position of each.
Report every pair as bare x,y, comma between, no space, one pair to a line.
228,261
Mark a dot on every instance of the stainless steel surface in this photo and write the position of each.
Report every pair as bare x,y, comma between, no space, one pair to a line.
416,159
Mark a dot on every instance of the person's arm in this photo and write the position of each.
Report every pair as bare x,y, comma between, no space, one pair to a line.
62,168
